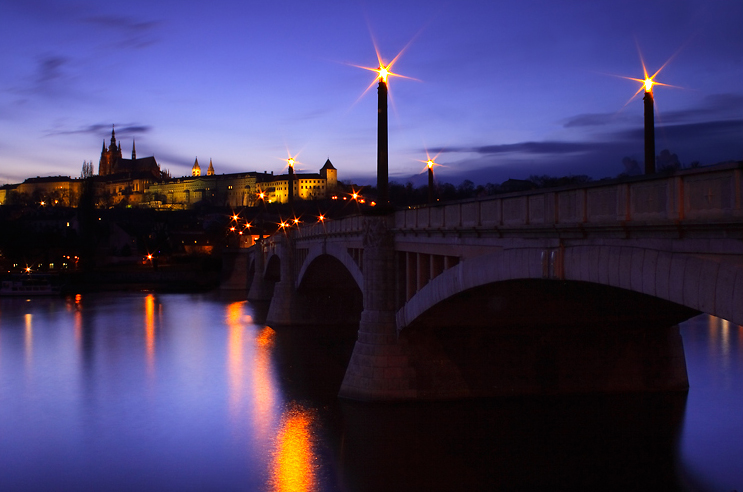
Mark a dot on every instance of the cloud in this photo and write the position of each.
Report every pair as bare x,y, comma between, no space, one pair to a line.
50,68
99,129
690,132
135,33
595,119
531,148
714,106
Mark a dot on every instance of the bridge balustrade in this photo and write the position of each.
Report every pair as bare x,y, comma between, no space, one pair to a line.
691,195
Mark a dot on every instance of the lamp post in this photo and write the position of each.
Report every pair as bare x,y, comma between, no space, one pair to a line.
290,162
382,143
429,164
649,126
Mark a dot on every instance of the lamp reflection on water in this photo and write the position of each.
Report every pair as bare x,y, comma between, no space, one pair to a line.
286,431
149,332
235,358
28,337
294,462
264,386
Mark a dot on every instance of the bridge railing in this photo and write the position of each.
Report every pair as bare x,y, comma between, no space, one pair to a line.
345,226
700,194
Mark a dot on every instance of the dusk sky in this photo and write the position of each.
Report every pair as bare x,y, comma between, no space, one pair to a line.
503,90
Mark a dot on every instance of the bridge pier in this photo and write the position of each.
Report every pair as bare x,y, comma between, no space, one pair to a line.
379,368
282,308
259,290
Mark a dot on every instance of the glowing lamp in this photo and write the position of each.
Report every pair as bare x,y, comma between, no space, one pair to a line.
648,84
321,218
383,73
290,161
296,220
232,228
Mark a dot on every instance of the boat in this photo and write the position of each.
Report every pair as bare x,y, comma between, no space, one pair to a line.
30,285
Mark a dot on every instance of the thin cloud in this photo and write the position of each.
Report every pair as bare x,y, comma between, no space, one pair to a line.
136,34
50,68
594,119
103,129
534,148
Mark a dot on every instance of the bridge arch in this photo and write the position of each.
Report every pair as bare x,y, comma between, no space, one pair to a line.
272,270
340,253
696,282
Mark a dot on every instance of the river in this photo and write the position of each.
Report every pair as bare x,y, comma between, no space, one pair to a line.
143,391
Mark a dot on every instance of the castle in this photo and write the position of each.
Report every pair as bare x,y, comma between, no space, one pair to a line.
141,182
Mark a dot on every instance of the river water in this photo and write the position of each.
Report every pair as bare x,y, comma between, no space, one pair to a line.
143,391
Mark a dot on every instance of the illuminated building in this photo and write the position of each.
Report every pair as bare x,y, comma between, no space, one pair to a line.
140,182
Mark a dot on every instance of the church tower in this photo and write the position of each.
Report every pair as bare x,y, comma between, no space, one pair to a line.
109,157
210,171
196,169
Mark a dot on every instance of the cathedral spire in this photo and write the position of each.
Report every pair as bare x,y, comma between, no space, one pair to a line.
113,139
210,171
134,151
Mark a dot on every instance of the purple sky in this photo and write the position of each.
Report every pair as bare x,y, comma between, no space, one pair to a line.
506,89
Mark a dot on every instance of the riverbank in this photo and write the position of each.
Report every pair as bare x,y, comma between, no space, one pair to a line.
176,278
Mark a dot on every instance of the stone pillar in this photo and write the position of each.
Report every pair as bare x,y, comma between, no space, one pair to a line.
281,310
258,288
379,368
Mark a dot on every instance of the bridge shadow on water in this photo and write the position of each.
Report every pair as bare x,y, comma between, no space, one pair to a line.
625,441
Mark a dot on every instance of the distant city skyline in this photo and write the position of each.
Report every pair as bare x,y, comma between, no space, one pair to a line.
503,90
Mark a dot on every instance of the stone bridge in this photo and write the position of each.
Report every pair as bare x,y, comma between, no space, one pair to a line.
569,290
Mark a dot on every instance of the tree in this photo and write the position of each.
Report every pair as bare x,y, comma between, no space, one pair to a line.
87,171
668,161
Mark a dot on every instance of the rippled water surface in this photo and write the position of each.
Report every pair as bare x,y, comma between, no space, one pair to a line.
185,392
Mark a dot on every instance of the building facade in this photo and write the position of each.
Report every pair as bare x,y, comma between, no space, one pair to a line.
141,182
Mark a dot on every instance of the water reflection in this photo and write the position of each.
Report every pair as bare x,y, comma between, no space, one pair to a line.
149,333
264,386
240,406
28,337
235,360
294,462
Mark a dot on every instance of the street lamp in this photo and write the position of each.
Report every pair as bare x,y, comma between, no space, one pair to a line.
429,164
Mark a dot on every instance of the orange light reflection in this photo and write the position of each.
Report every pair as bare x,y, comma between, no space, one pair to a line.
264,387
235,356
149,332
28,337
294,464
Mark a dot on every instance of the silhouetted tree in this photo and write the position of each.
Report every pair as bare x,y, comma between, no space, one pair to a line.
631,167
667,161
